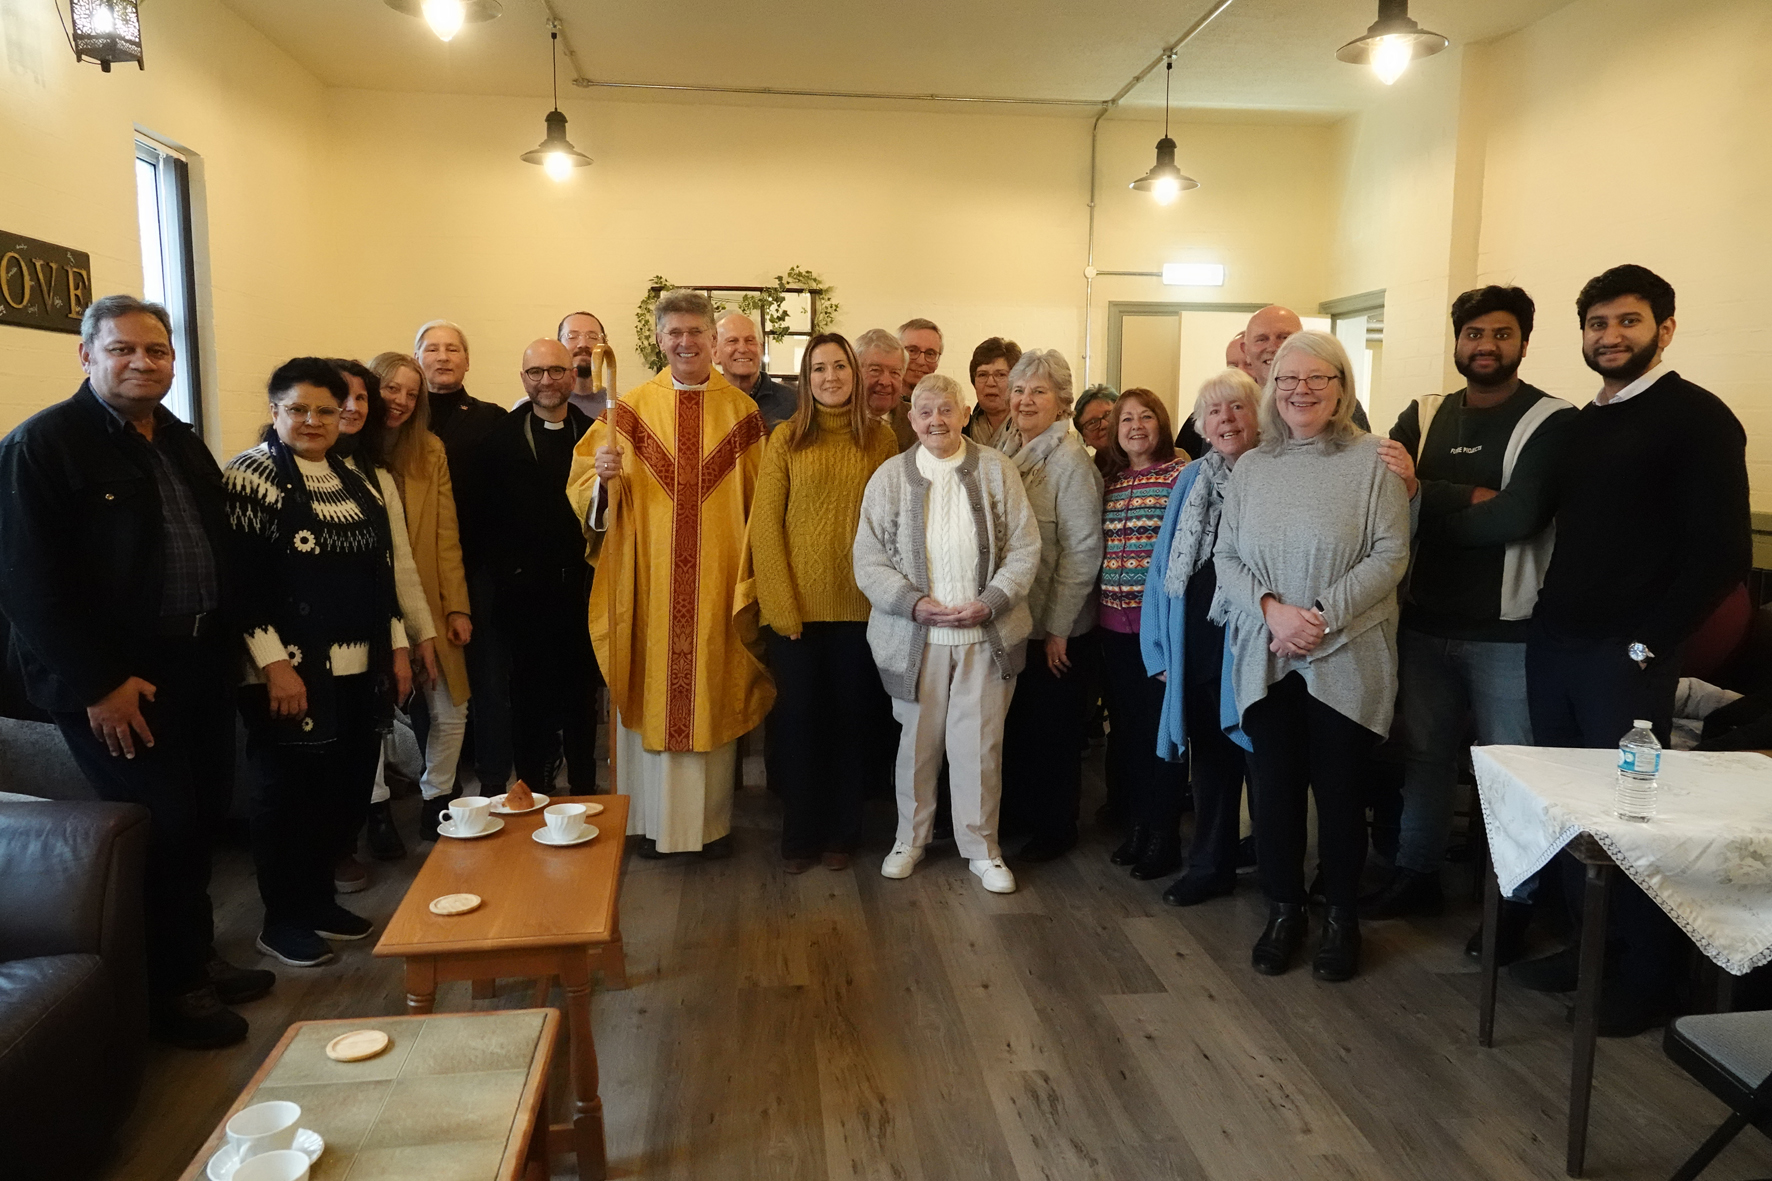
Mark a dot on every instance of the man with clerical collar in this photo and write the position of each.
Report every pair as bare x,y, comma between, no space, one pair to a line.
738,351
463,422
115,542
991,424
536,552
662,485
882,361
582,334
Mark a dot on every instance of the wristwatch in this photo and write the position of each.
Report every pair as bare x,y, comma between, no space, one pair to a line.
1640,653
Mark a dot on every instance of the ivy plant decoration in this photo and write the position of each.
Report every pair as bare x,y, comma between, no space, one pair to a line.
768,307
645,335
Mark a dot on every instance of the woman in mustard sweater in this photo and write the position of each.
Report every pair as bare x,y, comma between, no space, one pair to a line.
802,527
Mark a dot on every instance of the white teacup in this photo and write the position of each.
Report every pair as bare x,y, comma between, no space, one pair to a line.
566,822
285,1164
264,1127
468,814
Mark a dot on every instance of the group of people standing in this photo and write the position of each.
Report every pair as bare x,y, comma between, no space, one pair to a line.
720,549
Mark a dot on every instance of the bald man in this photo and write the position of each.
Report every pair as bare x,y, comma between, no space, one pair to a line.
1267,331
1234,355
537,552
738,351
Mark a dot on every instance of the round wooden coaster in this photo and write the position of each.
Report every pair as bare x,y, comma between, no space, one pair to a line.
593,809
357,1045
451,904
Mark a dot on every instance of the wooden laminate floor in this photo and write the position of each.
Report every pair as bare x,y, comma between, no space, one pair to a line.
843,1026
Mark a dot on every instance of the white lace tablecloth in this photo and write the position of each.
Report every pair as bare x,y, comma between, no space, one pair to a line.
1706,858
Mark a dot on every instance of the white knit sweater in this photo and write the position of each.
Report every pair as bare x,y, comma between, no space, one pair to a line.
951,539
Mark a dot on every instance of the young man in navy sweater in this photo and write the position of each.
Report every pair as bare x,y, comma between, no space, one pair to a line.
1652,534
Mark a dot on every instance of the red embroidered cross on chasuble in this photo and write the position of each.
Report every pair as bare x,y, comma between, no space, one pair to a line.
673,613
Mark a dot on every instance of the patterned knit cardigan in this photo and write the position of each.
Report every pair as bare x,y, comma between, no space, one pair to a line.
1132,516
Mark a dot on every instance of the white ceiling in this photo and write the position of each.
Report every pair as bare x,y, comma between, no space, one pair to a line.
1259,55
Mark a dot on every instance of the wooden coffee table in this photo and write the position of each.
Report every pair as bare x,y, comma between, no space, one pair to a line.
458,1093
547,912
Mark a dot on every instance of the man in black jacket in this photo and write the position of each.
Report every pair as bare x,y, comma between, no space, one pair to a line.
464,422
115,578
536,554
1653,533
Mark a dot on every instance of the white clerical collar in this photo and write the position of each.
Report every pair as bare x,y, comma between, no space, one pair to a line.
675,384
1655,374
552,426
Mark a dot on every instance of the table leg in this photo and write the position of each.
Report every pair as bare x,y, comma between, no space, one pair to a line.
535,1153
1587,1011
539,998
587,1104
1491,936
614,961
421,986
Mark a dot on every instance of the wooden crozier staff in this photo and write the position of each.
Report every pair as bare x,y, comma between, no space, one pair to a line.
603,374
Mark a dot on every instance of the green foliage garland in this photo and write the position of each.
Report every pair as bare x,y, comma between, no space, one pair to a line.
768,307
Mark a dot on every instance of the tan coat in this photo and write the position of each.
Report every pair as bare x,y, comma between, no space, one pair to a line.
436,551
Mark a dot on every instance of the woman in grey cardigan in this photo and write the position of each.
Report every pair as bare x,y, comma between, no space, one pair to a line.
1043,740
1312,541
945,552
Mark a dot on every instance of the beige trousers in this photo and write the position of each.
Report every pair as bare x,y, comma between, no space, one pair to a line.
962,700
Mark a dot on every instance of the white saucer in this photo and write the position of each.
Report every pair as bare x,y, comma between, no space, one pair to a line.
492,826
543,837
223,1164
498,805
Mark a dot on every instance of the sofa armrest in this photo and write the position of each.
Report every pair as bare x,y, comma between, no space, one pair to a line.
71,881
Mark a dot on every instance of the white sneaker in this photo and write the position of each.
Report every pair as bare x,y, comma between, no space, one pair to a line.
994,874
901,860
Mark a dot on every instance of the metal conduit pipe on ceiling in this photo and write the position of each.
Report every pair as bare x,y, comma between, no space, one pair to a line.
583,81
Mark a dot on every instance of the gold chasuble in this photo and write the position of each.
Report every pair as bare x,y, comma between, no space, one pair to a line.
672,612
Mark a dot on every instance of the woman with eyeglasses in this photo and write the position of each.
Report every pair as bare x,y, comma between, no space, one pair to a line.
326,646
1313,539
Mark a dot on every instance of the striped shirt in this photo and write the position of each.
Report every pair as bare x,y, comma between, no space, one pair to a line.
1132,514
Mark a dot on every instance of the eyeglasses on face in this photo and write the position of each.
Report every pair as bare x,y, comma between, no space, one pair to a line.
296,411
1316,383
555,372
923,354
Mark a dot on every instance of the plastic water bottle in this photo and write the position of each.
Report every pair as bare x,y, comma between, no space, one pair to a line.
1639,762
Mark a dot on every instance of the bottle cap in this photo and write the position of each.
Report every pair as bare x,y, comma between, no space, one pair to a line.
1642,724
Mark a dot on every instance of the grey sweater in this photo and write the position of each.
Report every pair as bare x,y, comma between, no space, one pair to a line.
1065,490
892,561
1312,528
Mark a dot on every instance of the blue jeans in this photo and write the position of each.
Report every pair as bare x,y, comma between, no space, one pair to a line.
1441,682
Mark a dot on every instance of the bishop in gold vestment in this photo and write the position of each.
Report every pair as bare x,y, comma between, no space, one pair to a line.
672,610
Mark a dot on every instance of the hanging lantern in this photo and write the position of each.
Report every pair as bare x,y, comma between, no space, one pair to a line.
106,31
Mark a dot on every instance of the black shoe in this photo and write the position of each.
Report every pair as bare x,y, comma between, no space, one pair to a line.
430,814
1557,972
1280,939
1510,934
1246,862
196,1020
1046,848
384,839
1132,849
1409,892
339,923
1162,857
236,986
648,848
295,946
1189,890
717,850
1338,957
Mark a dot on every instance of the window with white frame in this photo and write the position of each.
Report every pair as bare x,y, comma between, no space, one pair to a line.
163,206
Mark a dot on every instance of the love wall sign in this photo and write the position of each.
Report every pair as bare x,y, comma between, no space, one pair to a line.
43,285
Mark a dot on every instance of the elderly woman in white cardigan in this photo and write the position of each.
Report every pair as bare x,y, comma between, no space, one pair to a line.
1312,541
945,552
1043,741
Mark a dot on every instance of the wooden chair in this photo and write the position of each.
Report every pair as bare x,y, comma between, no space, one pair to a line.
1731,1055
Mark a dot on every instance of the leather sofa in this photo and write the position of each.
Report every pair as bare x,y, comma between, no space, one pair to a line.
73,1000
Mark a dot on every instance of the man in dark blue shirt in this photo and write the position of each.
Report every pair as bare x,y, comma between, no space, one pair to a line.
739,352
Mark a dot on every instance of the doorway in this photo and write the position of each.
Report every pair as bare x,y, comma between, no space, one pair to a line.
1172,348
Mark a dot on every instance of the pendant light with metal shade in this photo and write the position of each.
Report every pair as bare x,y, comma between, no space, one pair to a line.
1164,181
555,152
1392,42
446,17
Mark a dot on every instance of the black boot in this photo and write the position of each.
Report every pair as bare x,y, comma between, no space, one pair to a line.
384,839
236,986
1338,958
1189,890
1132,849
1409,892
430,814
1162,857
1510,934
1280,939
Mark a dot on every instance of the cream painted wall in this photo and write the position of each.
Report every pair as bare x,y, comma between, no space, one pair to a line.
254,119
